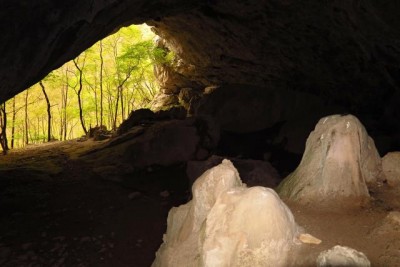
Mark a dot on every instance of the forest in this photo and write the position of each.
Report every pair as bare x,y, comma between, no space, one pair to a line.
98,88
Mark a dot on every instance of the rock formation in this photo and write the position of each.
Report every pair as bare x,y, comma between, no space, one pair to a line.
227,224
243,108
339,160
332,49
339,256
162,143
252,172
389,225
391,168
343,53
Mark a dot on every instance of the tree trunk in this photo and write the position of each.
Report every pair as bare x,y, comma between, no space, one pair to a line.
114,127
64,102
101,82
14,113
26,118
120,96
3,124
79,97
48,112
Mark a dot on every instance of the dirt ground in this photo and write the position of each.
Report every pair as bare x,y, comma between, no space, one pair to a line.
56,211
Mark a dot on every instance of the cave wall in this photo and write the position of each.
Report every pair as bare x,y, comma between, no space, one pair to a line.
345,52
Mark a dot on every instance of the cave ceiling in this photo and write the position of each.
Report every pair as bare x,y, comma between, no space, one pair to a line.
344,51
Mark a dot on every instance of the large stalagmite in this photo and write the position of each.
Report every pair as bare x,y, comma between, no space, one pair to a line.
339,160
228,224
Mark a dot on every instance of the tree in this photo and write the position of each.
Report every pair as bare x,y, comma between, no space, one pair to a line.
26,118
3,127
118,71
48,111
101,80
80,87
14,114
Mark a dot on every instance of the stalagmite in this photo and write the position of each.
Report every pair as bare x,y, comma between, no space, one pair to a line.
228,224
339,160
391,168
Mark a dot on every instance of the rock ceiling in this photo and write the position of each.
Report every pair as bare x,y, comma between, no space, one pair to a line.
346,52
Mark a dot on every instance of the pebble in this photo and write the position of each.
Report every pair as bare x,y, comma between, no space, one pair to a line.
309,239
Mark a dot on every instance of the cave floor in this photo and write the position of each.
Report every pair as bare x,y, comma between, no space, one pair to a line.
55,211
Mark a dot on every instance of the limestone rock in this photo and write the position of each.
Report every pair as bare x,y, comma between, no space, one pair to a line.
189,99
391,168
164,101
309,239
339,160
339,256
170,75
135,118
227,224
389,225
252,172
169,142
242,108
148,117
99,133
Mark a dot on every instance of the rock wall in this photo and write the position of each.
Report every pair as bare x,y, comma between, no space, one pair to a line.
334,49
330,48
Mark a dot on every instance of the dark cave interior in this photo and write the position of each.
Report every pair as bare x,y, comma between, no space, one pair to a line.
254,76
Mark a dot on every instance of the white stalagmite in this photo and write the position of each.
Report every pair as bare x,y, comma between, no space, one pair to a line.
227,224
391,168
339,160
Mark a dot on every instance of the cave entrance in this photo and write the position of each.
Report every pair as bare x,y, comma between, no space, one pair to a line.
99,88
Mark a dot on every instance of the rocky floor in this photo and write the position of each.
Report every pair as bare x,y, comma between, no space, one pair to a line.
55,211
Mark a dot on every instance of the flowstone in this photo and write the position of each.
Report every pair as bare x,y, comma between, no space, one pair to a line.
339,160
228,224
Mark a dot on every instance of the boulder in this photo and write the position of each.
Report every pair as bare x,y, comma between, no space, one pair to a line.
252,172
136,117
339,256
339,160
228,224
391,168
389,225
146,117
175,141
99,133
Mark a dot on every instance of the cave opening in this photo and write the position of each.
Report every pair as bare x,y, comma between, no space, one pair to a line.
96,90
249,84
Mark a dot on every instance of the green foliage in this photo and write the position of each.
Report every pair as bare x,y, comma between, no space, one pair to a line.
128,83
161,56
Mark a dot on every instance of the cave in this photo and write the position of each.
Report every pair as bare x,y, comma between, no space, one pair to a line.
251,80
